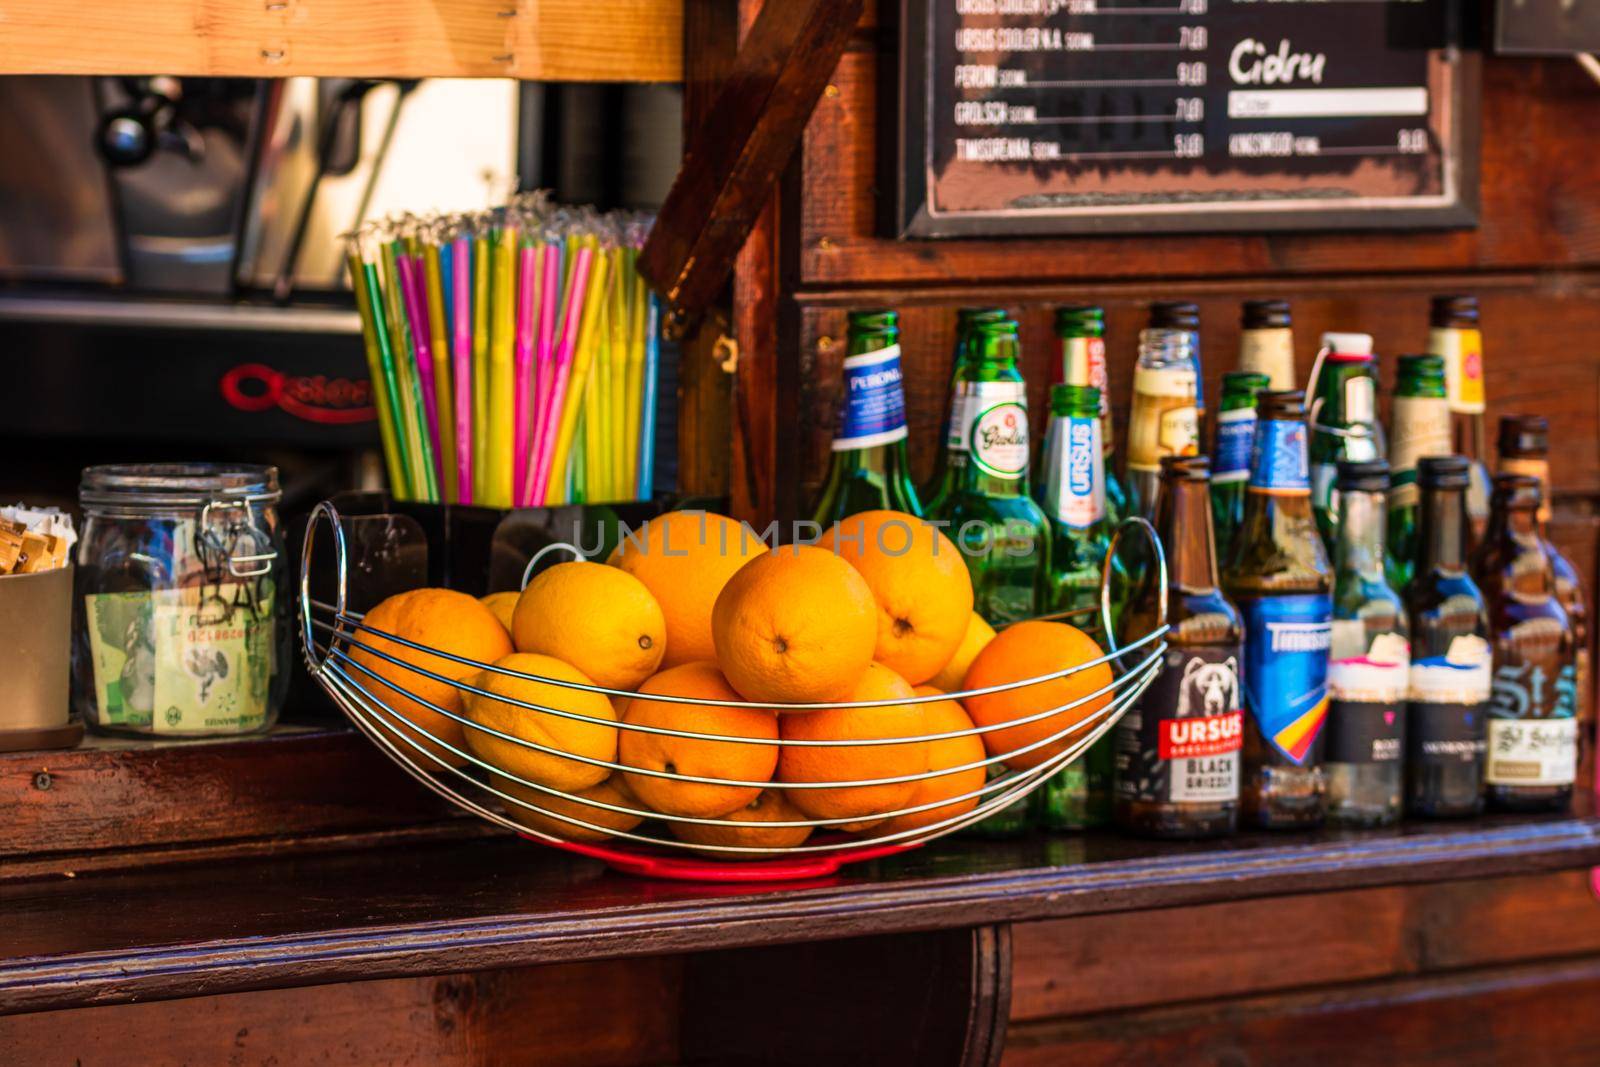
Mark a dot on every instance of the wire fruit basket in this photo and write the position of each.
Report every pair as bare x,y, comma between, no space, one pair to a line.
332,635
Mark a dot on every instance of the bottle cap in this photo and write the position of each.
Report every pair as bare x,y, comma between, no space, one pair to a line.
1363,476
874,320
1174,315
1186,468
1281,404
1443,472
1522,434
1348,345
1080,315
1265,315
1447,311
1244,381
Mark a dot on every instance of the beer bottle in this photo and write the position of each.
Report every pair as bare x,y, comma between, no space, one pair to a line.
1236,431
1081,330
985,507
1278,575
1525,449
1266,343
1420,419
869,469
1177,749
1370,660
966,319
1185,317
1072,493
1454,337
1165,420
1450,676
1533,728
1344,420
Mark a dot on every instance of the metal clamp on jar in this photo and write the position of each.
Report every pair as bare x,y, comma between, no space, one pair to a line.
181,624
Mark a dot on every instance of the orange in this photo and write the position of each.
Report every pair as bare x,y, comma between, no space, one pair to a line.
607,792
795,625
735,760
943,717
441,619
1027,650
769,807
920,582
596,740
598,619
685,558
855,763
952,676
502,604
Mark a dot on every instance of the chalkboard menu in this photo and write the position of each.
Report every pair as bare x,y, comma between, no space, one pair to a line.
1084,116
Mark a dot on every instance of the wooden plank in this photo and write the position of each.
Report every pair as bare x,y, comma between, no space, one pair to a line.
1531,1014
541,40
1537,209
1082,965
240,925
744,142
618,1014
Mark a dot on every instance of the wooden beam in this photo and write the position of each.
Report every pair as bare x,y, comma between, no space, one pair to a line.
732,163
540,40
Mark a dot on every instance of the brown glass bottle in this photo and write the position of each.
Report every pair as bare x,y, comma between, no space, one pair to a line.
1177,749
1525,449
1533,732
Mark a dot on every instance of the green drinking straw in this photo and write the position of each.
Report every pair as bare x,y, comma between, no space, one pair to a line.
636,387
404,486
480,371
414,415
381,382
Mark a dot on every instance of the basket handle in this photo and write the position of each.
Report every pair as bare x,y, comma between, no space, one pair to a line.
323,512
1106,568
557,546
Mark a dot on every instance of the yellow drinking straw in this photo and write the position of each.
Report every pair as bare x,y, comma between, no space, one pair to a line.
502,376
378,378
441,369
598,459
593,439
578,381
617,470
480,372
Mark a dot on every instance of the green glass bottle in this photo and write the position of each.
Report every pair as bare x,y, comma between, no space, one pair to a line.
869,469
1073,497
1419,419
1230,462
984,506
1081,330
966,319
1344,422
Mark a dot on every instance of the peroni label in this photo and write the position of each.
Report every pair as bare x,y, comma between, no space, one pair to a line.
1236,431
874,411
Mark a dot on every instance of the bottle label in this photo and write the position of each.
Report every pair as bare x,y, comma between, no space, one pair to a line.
1324,487
874,401
1532,752
1449,699
1367,683
1181,743
1269,352
1083,362
1075,489
1462,352
1165,421
971,399
1236,430
1536,468
1286,670
1360,401
1278,458
1421,427
998,434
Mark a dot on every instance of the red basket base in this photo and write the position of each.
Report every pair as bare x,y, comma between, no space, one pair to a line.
676,868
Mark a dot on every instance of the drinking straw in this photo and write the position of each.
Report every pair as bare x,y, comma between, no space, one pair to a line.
549,312
414,300
502,384
384,397
621,327
582,358
647,422
597,416
461,357
413,417
528,299
444,412
548,474
638,310
480,369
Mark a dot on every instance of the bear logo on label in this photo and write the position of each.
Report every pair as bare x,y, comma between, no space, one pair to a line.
1211,687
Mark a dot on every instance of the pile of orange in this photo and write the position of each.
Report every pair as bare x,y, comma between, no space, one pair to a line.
706,629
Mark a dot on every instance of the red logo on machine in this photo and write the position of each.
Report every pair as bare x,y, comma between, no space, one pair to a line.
314,398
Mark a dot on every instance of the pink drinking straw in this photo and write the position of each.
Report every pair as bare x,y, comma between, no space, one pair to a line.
528,299
461,361
416,305
544,382
563,367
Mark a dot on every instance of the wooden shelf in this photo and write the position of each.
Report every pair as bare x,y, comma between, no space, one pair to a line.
474,905
538,40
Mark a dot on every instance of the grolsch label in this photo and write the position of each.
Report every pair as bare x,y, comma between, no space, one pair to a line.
1278,458
1075,492
1165,421
1180,744
1462,352
1449,701
989,421
1367,685
1236,433
1286,671
874,411
1533,726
